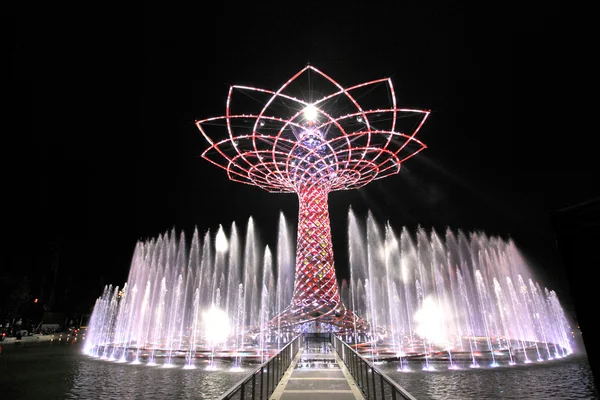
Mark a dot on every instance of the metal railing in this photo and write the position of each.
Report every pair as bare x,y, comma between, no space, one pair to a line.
261,383
373,383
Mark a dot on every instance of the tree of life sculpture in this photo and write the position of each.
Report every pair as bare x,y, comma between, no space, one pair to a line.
313,136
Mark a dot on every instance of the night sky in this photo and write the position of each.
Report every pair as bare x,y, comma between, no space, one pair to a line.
102,150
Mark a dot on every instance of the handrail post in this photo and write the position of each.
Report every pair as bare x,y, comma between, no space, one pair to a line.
254,386
268,370
367,377
274,367
354,369
373,381
357,370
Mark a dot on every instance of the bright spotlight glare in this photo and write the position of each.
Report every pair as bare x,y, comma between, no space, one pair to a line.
217,325
221,243
429,321
310,112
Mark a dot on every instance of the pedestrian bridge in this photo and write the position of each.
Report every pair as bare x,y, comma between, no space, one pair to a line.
317,366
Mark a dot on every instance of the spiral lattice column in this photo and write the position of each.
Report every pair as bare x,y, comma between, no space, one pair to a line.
316,294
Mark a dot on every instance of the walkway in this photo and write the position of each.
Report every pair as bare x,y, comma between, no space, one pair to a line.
317,373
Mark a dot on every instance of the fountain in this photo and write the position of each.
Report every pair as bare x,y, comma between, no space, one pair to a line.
451,297
225,296
177,303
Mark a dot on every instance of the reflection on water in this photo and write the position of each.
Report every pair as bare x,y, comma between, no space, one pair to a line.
59,370
569,378
95,379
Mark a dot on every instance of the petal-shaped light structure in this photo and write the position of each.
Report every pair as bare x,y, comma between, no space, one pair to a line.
338,139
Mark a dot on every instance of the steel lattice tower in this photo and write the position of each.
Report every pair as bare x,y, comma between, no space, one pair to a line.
306,140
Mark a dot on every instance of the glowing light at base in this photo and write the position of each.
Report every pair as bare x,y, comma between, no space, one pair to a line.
216,323
430,321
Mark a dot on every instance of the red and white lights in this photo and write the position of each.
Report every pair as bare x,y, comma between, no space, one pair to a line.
302,139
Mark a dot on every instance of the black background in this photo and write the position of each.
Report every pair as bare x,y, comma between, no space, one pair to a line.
101,149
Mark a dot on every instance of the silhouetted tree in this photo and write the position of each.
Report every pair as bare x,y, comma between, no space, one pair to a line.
19,300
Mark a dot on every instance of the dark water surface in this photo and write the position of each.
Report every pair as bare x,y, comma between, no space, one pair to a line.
59,370
568,378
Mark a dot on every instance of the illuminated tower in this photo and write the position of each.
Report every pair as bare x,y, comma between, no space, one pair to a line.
313,136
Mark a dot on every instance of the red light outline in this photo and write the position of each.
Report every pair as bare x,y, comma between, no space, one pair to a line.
290,165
